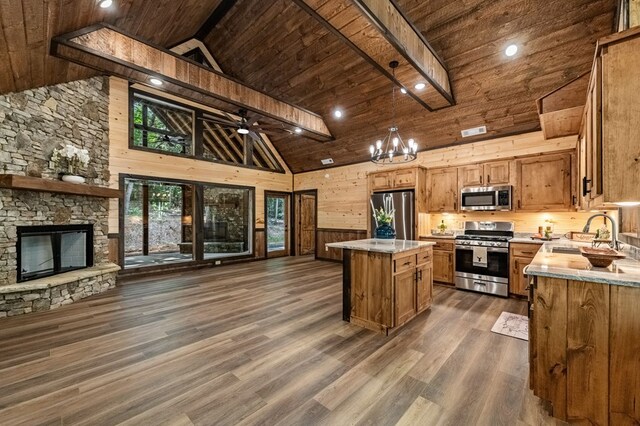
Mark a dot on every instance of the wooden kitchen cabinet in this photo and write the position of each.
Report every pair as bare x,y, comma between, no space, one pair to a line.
520,256
425,287
443,189
471,175
381,181
406,296
387,290
404,178
443,260
609,152
544,183
583,354
393,179
488,174
497,173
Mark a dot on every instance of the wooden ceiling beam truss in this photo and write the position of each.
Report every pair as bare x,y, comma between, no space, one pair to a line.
108,49
380,32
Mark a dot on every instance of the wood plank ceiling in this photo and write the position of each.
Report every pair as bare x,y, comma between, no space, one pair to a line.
299,60
276,47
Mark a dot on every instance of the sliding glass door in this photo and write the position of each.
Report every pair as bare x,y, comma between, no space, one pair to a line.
160,227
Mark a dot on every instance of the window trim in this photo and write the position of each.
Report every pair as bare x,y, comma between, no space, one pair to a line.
197,142
198,190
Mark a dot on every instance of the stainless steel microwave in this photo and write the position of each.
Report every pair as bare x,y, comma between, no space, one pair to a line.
486,198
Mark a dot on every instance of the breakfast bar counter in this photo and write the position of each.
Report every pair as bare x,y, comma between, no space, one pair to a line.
385,283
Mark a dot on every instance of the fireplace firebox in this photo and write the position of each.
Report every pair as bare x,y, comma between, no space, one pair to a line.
44,251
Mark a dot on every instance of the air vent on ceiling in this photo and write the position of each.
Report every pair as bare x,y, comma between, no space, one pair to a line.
474,132
327,161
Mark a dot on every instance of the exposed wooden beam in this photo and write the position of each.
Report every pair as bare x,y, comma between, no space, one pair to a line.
216,16
380,32
108,49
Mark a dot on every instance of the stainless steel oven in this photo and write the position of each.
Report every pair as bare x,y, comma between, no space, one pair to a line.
482,257
486,198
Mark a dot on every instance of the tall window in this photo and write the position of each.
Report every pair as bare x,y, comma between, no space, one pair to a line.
164,125
160,226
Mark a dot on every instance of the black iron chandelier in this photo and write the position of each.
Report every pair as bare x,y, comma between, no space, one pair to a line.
392,147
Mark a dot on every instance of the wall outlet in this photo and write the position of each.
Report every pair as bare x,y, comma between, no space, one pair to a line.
326,248
218,262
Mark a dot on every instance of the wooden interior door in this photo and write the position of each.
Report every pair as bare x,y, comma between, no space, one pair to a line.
306,220
276,224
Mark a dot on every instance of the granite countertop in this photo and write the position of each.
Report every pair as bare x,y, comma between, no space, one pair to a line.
576,267
529,240
397,246
439,237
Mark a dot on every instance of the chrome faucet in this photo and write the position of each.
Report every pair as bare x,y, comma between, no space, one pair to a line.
614,232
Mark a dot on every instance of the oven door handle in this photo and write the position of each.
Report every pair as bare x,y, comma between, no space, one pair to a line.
489,249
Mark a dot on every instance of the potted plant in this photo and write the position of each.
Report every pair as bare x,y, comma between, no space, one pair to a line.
384,230
71,159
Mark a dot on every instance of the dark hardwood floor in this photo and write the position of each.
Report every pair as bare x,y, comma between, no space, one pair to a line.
260,343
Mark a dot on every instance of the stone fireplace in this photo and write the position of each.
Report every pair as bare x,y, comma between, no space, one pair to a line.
45,262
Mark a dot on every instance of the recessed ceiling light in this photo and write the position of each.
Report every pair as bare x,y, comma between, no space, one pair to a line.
155,81
298,130
105,3
511,50
337,113
420,86
403,90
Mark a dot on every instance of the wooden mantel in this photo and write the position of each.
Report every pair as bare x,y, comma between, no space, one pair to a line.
27,183
109,49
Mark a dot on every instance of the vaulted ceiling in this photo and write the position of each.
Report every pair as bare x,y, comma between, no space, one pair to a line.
277,47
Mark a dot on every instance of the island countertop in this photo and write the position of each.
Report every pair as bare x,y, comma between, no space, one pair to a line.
547,263
397,246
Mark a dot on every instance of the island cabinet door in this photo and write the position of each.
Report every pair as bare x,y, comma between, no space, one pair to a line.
405,295
425,288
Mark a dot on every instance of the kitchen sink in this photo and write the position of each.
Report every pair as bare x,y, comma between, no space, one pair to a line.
566,250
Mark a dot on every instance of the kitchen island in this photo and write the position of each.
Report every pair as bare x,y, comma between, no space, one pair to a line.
584,336
385,284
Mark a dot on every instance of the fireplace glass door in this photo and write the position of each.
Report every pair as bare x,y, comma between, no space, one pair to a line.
49,250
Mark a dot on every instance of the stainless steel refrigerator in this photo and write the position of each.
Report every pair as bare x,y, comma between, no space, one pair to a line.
403,219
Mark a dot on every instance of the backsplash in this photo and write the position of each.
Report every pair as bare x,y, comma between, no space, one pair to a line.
563,222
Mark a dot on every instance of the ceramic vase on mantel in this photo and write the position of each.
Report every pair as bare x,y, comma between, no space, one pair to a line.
385,232
73,179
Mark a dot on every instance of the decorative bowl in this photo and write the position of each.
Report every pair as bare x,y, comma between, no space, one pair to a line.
601,257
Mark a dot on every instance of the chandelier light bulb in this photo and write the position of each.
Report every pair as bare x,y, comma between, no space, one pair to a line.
372,149
411,142
379,144
414,148
395,142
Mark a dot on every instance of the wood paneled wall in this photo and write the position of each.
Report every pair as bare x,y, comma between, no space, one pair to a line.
130,161
342,191
324,236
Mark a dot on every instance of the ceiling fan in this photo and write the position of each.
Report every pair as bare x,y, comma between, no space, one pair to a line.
174,140
247,125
